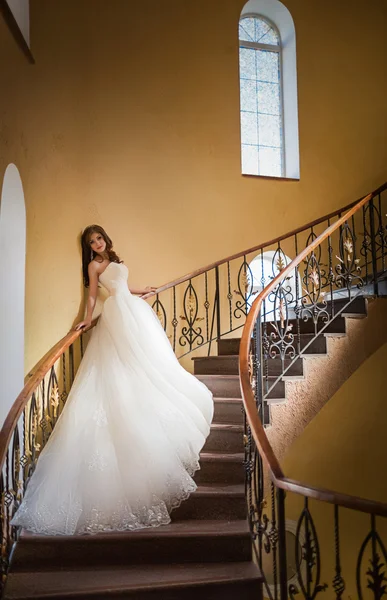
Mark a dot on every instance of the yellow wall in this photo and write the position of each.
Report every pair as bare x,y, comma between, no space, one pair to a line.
344,449
130,119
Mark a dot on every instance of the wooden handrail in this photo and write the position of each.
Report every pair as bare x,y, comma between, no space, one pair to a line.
37,374
261,246
34,378
257,430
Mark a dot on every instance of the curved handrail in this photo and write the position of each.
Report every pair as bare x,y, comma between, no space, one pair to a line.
294,232
257,429
38,373
35,376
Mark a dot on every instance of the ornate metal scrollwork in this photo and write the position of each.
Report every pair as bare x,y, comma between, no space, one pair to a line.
279,340
245,290
160,311
348,269
191,334
308,556
377,569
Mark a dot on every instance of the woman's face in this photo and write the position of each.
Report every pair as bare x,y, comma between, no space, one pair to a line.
97,243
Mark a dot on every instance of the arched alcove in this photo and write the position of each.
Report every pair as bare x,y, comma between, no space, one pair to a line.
12,285
263,268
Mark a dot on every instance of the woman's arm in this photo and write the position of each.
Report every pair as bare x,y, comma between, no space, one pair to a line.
142,291
92,298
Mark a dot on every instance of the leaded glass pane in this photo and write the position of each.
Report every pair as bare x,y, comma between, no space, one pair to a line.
268,98
247,30
271,37
270,160
267,66
250,160
269,128
260,100
249,95
254,29
247,65
249,128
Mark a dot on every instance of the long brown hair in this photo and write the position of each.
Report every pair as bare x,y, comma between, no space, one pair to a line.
86,250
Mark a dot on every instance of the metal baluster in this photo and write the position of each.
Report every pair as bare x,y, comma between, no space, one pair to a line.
71,361
206,303
331,276
174,320
283,578
229,294
274,540
81,344
365,243
64,393
373,247
218,321
297,308
381,233
338,581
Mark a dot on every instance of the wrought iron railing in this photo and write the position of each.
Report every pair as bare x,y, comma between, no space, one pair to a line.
196,310
344,556
27,429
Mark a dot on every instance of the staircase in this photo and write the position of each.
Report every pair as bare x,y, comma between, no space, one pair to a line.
207,547
239,505
206,550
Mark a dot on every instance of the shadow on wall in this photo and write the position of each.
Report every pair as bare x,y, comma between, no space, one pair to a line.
12,282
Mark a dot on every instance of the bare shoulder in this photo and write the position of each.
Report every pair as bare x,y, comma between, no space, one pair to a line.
94,267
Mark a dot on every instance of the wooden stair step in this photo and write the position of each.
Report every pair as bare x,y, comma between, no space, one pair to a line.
228,410
214,581
181,541
214,501
225,437
221,467
228,386
229,365
352,309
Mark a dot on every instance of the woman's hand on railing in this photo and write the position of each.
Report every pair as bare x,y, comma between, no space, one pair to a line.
86,324
148,291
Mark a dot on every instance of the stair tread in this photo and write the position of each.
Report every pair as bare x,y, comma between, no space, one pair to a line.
227,427
136,578
228,400
226,357
222,456
215,489
190,527
227,377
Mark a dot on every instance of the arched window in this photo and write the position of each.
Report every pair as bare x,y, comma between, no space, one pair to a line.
268,90
261,97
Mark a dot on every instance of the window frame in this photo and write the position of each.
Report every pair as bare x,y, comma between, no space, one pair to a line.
272,48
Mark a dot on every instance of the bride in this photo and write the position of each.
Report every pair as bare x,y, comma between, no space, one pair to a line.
123,452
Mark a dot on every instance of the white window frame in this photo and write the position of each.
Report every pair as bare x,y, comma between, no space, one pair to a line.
277,14
271,48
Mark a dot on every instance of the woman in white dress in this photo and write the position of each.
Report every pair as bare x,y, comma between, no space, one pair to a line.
125,448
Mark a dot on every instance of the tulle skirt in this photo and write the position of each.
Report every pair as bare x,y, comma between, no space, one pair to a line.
123,452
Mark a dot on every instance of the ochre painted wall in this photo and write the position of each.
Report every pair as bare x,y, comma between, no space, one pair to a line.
130,119
344,447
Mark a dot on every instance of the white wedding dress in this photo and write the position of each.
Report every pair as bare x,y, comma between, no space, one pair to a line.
123,452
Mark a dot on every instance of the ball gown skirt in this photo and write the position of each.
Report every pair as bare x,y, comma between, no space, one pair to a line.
125,448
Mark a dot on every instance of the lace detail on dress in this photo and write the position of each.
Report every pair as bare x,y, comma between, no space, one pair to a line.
100,417
98,462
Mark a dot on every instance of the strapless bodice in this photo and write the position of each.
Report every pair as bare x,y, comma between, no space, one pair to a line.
115,279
